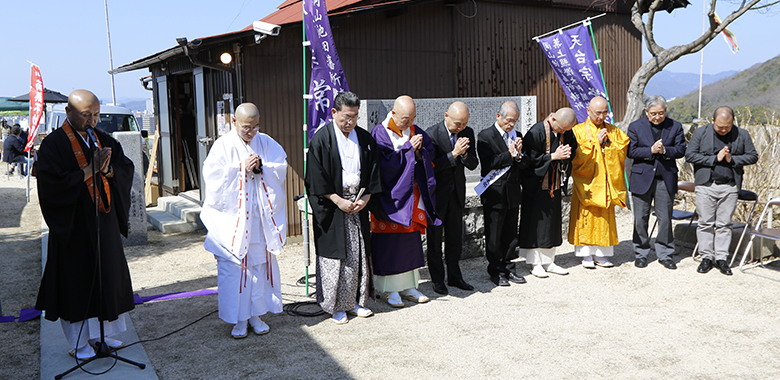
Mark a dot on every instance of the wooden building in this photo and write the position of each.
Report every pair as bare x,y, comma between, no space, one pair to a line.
423,48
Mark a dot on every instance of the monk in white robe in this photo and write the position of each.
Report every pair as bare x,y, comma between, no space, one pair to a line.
244,213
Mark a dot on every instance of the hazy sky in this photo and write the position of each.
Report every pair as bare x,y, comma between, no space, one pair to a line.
756,35
67,39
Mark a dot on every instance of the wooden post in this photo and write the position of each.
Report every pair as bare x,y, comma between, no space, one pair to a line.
152,162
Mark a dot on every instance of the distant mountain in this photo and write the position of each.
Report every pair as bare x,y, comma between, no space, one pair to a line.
134,104
671,85
754,94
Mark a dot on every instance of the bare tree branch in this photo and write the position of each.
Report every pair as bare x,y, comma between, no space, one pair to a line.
664,56
765,5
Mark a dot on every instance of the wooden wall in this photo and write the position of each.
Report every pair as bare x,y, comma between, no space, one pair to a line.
430,50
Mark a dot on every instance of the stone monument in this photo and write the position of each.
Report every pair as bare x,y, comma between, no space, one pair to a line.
132,146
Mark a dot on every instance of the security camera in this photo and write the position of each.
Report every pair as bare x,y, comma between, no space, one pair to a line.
266,28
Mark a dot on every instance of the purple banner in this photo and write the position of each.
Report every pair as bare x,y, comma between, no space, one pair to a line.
327,76
171,296
571,56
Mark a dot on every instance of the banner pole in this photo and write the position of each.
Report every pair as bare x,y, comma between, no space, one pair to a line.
609,104
567,26
305,222
598,61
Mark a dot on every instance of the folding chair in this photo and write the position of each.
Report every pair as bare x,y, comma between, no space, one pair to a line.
10,165
744,196
684,213
765,233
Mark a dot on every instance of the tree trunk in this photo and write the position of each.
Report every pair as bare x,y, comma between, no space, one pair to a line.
636,89
663,57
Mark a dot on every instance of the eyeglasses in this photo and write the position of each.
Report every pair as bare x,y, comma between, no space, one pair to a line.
349,118
250,128
654,114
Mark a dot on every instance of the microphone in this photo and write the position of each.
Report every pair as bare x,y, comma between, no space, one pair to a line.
91,135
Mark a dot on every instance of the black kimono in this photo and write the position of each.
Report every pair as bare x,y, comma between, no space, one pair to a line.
69,287
540,224
323,176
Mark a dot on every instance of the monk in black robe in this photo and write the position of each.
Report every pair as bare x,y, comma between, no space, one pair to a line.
70,290
549,145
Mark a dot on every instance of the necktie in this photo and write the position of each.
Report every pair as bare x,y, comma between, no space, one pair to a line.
453,139
507,140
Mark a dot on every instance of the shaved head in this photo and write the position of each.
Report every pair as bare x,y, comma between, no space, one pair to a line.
457,108
598,109
566,115
83,110
457,117
404,103
247,111
82,97
404,112
598,102
246,121
563,120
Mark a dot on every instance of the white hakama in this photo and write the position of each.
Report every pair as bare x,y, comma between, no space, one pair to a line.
77,336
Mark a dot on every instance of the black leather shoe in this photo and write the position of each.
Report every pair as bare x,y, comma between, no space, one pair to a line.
515,278
705,266
460,284
439,287
723,267
640,262
668,263
500,280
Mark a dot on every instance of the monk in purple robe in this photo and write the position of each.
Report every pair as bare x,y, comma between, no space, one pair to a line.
406,205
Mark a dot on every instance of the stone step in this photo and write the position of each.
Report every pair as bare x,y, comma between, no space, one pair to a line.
174,214
180,207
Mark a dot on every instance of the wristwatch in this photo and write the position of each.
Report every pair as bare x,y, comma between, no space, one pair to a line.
110,173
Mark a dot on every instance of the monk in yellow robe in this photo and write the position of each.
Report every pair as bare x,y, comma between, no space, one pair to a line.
597,171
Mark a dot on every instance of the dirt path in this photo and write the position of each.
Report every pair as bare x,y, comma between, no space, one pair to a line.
20,273
616,323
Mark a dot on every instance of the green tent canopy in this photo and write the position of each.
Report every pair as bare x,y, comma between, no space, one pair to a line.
9,108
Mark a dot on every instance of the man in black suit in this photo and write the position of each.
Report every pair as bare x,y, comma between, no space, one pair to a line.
719,151
13,150
656,143
454,149
500,151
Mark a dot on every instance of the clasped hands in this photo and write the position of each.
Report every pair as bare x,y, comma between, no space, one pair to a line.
103,158
348,206
516,147
461,146
724,154
657,148
416,142
562,153
251,162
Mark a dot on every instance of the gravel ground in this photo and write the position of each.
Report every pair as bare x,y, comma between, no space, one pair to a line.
606,323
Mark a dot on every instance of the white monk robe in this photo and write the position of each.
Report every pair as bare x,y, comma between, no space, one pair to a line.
247,224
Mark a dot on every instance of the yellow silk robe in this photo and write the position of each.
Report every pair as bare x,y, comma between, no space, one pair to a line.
598,185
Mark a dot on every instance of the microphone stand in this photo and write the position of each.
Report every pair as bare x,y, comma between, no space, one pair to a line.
101,350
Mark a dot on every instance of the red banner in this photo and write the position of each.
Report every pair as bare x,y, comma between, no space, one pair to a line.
36,105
